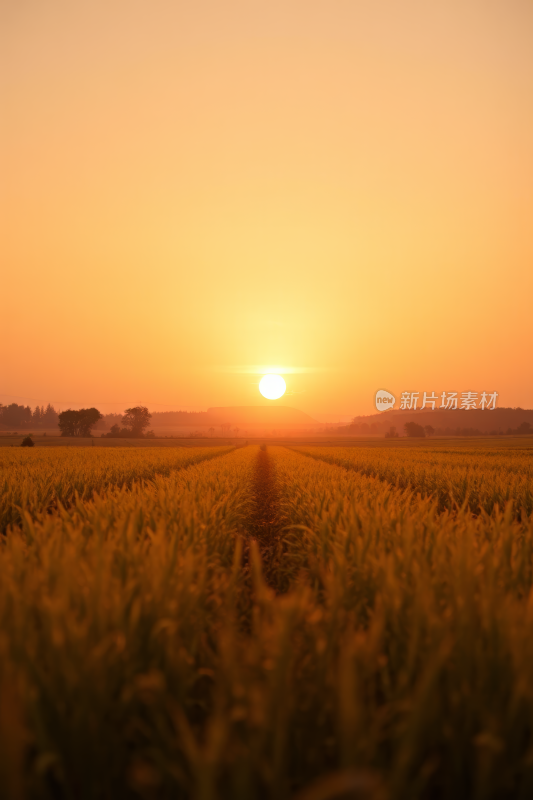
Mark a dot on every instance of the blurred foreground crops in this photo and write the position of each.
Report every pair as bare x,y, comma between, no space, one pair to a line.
143,654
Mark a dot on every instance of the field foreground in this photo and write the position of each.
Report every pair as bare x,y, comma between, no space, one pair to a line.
304,622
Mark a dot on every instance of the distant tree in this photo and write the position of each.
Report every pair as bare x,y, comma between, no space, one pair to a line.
78,423
236,431
136,420
15,416
114,433
211,432
49,417
37,416
109,420
429,430
149,435
412,429
27,442
68,423
525,427
392,433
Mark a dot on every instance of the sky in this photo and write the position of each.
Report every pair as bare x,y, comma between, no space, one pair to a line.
193,194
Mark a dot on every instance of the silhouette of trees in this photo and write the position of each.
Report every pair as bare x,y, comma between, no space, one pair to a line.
236,431
459,432
392,433
109,420
136,420
525,427
429,430
27,442
49,416
15,416
412,429
211,432
78,423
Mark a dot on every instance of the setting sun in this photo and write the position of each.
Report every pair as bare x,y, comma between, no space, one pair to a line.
325,590
272,386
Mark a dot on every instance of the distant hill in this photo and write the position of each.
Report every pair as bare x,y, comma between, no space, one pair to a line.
280,416
250,416
498,419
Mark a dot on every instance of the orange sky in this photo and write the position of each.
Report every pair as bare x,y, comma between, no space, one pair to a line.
340,188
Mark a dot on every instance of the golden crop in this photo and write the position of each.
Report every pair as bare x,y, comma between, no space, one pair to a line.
143,653
32,481
481,478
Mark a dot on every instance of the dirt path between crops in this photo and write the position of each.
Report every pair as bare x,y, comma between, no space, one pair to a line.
265,526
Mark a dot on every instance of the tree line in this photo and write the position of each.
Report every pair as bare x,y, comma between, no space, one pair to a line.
81,422
420,432
19,416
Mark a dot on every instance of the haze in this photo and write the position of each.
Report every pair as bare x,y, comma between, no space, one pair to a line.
192,192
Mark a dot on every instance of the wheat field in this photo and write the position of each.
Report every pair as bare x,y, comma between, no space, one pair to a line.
310,623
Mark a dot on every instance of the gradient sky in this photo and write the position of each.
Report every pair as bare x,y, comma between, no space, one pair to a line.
194,191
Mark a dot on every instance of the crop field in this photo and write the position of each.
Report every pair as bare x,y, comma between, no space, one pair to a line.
272,622
35,481
479,479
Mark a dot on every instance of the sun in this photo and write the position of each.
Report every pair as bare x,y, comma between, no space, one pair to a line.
272,386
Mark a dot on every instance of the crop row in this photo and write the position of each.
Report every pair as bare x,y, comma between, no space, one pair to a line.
389,655
35,481
415,651
479,480
107,610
